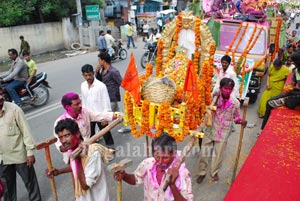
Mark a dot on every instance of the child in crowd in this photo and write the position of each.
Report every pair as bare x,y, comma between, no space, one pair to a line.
32,69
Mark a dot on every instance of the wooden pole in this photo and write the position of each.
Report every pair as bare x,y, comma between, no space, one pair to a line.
119,193
45,145
147,146
246,102
50,167
95,137
116,167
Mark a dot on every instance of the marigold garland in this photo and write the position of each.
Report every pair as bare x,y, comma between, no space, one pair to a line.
234,39
129,110
256,65
255,40
197,53
164,120
145,125
209,74
248,48
238,44
277,37
149,69
176,36
159,60
244,53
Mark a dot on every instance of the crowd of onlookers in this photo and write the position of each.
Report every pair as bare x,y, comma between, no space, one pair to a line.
283,72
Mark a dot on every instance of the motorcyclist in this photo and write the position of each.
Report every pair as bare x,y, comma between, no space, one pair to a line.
110,43
154,36
16,75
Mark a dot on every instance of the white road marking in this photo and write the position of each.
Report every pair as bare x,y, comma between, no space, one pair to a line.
42,111
49,108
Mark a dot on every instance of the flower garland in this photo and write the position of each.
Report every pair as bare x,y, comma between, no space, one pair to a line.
202,103
244,53
209,74
129,111
255,40
145,125
238,44
149,69
165,120
145,121
244,57
248,48
186,127
234,39
256,65
159,60
277,37
197,53
176,36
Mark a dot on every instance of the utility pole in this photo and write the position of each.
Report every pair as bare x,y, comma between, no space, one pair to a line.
79,18
129,8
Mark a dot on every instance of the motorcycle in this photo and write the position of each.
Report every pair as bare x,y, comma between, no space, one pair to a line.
256,78
39,87
255,85
120,52
150,55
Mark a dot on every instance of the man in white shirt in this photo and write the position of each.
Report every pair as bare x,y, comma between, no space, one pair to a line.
145,31
109,42
228,72
87,168
95,97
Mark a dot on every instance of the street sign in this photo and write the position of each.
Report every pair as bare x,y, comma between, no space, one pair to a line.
92,12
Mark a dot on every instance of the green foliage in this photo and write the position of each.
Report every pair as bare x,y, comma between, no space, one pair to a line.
101,3
196,7
16,12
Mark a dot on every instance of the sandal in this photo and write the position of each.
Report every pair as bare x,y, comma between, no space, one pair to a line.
276,103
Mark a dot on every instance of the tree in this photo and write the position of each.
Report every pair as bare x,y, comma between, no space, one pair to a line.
20,12
14,12
53,10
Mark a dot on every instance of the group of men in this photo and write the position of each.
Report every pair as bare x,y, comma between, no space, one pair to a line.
106,43
99,105
99,99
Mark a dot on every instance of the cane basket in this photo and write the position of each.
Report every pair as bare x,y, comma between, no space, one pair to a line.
159,90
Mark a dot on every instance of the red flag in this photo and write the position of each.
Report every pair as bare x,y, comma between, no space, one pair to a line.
131,81
190,83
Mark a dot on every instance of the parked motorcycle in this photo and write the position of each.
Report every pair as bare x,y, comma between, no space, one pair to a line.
150,55
257,76
255,84
39,87
120,52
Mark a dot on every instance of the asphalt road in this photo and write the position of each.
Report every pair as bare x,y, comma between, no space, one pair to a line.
64,76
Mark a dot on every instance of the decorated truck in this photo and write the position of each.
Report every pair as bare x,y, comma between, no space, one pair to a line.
248,44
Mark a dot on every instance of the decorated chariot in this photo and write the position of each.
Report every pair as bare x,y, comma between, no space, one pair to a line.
176,98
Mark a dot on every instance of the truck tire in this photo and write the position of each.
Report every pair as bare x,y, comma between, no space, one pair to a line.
252,98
